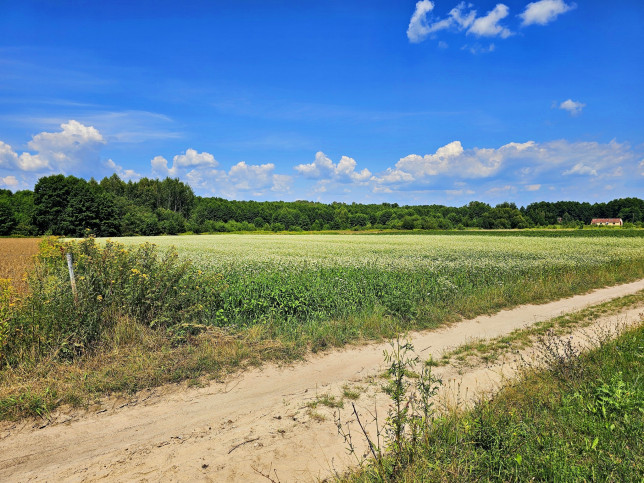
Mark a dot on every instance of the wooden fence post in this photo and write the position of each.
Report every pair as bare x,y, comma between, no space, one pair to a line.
72,279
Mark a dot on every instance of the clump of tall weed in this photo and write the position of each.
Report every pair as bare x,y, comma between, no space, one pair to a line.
407,421
153,288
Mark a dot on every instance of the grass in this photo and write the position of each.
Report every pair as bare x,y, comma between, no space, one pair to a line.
131,358
276,298
326,400
582,419
491,350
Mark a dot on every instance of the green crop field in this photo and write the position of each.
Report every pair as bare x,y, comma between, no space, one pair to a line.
414,280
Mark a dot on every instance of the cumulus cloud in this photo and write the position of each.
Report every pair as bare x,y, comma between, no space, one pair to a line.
464,17
418,28
242,179
450,160
529,164
8,158
10,181
251,177
488,26
323,168
573,107
190,159
74,146
125,174
501,190
544,11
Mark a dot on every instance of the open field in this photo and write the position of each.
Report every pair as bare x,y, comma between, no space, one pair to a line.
16,257
292,283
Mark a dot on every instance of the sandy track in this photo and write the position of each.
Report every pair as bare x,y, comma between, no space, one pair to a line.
193,434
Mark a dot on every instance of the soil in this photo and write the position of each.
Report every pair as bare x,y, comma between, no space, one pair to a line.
260,422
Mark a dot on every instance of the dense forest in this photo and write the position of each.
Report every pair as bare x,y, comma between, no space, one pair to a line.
66,205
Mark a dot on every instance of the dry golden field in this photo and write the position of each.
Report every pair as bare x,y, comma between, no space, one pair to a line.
16,256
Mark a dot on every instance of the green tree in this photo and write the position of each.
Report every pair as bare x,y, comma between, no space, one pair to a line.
7,218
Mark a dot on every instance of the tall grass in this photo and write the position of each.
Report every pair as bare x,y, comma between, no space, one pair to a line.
153,288
580,420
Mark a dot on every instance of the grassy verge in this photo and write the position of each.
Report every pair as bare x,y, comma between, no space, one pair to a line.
130,358
580,420
488,351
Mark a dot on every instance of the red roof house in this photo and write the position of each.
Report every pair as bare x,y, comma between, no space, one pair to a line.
607,221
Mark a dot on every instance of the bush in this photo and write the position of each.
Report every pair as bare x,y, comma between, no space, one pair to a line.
150,287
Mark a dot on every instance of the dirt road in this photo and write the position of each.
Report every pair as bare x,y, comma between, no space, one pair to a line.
257,420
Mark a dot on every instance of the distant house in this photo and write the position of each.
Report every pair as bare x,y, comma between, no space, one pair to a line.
607,221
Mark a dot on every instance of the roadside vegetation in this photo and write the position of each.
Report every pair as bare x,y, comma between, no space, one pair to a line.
580,419
147,315
490,351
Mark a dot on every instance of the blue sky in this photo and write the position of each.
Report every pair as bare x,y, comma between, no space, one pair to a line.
367,101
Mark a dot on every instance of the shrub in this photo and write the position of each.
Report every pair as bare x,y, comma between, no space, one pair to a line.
151,287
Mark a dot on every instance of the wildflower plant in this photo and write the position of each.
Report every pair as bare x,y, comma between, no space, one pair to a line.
152,287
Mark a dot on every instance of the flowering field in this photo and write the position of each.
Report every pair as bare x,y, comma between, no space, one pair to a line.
415,280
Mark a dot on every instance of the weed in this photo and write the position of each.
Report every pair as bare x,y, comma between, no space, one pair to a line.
325,400
411,414
350,393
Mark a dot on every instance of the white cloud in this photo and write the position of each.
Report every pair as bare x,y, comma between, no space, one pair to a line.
124,174
543,12
501,190
241,180
479,49
488,26
8,158
190,159
323,168
450,160
573,107
529,164
76,146
581,168
460,18
251,177
281,183
418,28
10,181
442,45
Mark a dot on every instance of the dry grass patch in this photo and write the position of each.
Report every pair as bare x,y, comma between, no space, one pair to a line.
16,258
133,357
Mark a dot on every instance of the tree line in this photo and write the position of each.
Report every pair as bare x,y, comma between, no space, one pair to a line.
71,206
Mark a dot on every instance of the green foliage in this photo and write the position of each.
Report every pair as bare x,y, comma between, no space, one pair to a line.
410,416
153,288
66,205
552,426
7,217
295,283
